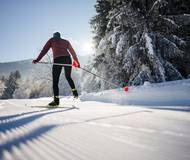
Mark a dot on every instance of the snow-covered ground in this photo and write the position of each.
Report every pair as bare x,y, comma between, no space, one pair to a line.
150,122
174,93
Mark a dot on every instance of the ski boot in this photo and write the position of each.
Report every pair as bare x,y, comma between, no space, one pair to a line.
55,102
75,93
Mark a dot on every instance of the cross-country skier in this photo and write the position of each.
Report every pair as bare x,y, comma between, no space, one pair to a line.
62,51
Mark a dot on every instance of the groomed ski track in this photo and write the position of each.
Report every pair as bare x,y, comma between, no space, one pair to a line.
92,131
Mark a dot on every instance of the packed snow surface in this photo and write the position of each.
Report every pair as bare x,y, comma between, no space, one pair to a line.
148,122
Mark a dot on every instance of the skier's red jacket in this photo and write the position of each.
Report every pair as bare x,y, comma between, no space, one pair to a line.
60,47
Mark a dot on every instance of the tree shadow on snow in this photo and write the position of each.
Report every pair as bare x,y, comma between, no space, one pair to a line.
19,114
15,121
34,134
9,123
26,113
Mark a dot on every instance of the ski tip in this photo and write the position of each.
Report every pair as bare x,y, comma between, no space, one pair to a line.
126,88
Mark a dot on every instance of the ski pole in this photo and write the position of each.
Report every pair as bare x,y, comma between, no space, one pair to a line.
57,64
105,80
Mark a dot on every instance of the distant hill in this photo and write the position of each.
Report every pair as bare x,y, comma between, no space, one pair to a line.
23,67
26,68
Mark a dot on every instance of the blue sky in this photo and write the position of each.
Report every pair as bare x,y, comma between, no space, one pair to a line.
26,25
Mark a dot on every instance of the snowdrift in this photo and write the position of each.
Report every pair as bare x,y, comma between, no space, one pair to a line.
174,93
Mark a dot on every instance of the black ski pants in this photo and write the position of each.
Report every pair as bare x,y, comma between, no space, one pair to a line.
56,71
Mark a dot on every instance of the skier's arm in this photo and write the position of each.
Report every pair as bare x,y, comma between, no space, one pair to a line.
72,52
44,50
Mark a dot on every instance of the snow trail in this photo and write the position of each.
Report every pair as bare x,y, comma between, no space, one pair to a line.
98,130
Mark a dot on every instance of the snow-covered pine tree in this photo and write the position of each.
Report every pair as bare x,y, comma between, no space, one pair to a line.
140,40
2,85
11,84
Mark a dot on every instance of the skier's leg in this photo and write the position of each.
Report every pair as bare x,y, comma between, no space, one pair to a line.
68,70
56,71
